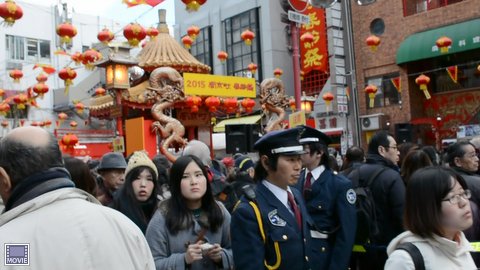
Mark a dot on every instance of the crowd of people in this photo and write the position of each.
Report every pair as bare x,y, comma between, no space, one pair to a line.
290,206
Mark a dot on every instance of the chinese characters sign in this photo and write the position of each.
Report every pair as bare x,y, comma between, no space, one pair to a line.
314,55
220,86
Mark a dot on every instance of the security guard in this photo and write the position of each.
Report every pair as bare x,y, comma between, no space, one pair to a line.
270,227
330,200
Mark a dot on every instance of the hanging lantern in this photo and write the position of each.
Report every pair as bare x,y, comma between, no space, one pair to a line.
79,107
152,32
100,91
61,117
66,31
22,122
443,43
423,81
41,89
307,37
302,75
69,140
230,104
134,33
42,77
34,124
5,123
327,97
73,124
193,31
248,104
10,12
187,42
105,36
4,108
247,37
20,100
292,104
77,58
371,90
193,102
222,56
47,123
67,74
212,103
41,124
278,73
16,75
2,93
252,67
89,57
193,5
373,42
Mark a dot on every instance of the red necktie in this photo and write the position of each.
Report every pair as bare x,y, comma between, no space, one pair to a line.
296,211
308,183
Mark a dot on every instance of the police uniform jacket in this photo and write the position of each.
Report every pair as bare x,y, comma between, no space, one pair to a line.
331,204
297,250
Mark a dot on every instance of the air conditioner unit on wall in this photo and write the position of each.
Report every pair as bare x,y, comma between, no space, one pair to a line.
372,122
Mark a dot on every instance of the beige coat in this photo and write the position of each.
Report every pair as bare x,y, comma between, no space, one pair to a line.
68,229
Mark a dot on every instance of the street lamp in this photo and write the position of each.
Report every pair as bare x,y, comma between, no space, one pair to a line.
306,103
116,76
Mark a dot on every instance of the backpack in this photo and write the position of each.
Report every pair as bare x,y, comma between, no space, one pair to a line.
414,253
367,227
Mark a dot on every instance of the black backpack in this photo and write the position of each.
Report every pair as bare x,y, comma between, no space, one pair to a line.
367,227
414,253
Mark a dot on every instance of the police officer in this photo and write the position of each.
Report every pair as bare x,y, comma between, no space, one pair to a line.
330,200
270,227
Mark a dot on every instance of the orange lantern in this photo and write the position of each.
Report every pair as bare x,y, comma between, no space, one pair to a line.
77,58
42,77
152,32
371,90
89,57
134,33
61,117
193,102
252,67
423,81
278,72
41,89
193,5
16,75
327,97
307,37
2,93
69,140
20,100
230,104
373,42
248,104
100,91
247,36
4,108
187,42
212,103
5,123
292,103
66,31
67,74
105,36
222,56
193,31
79,107
73,124
443,43
10,12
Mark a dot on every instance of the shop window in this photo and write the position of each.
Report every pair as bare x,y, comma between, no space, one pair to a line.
201,48
387,94
411,7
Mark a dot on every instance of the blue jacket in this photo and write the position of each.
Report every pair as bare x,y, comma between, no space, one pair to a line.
298,250
332,207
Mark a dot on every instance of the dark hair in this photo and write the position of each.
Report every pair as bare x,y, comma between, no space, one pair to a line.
379,139
126,202
317,148
414,160
423,205
162,164
355,154
178,214
456,150
81,174
404,149
260,171
432,153
21,160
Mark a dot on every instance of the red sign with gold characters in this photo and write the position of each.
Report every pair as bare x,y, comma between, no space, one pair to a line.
314,54
298,5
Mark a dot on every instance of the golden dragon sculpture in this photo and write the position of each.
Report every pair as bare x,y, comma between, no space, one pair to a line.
274,101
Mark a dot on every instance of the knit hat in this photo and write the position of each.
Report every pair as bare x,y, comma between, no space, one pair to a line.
243,163
140,158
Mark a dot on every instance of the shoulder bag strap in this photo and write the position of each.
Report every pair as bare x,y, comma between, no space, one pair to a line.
414,253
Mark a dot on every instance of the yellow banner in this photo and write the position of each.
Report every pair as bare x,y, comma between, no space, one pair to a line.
220,86
296,119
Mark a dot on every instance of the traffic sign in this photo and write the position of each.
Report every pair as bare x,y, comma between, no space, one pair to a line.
298,5
298,17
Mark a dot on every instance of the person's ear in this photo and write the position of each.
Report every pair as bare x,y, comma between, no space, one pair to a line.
5,184
265,162
457,161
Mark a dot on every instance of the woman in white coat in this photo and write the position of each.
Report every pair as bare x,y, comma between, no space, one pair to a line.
437,210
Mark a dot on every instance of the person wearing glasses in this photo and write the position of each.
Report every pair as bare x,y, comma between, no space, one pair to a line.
437,210
388,191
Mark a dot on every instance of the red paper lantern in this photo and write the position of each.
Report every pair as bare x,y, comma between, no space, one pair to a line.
77,58
423,81
247,36
371,90
193,102
193,31
47,123
42,77
292,104
278,72
67,74
193,5
187,42
248,104
152,32
69,140
34,124
66,31
41,89
16,75
79,107
307,37
328,97
73,124
373,42
4,108
20,100
105,36
252,67
10,12
134,33
100,91
222,56
443,43
62,116
212,103
89,57
230,104
5,123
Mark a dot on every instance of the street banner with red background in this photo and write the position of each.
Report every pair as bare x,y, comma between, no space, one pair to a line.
314,55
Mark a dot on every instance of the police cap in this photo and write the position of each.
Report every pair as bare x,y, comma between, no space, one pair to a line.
283,142
312,135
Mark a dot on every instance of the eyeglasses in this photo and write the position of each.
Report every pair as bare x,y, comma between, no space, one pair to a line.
393,147
455,199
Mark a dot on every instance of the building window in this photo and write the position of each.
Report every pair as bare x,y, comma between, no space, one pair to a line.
239,54
202,47
387,94
27,49
411,7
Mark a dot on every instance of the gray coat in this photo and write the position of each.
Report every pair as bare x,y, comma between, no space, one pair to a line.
169,250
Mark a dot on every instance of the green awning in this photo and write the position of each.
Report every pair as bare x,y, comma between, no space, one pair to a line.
220,127
465,36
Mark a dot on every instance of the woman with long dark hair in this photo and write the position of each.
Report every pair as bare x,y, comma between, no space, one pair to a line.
190,229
